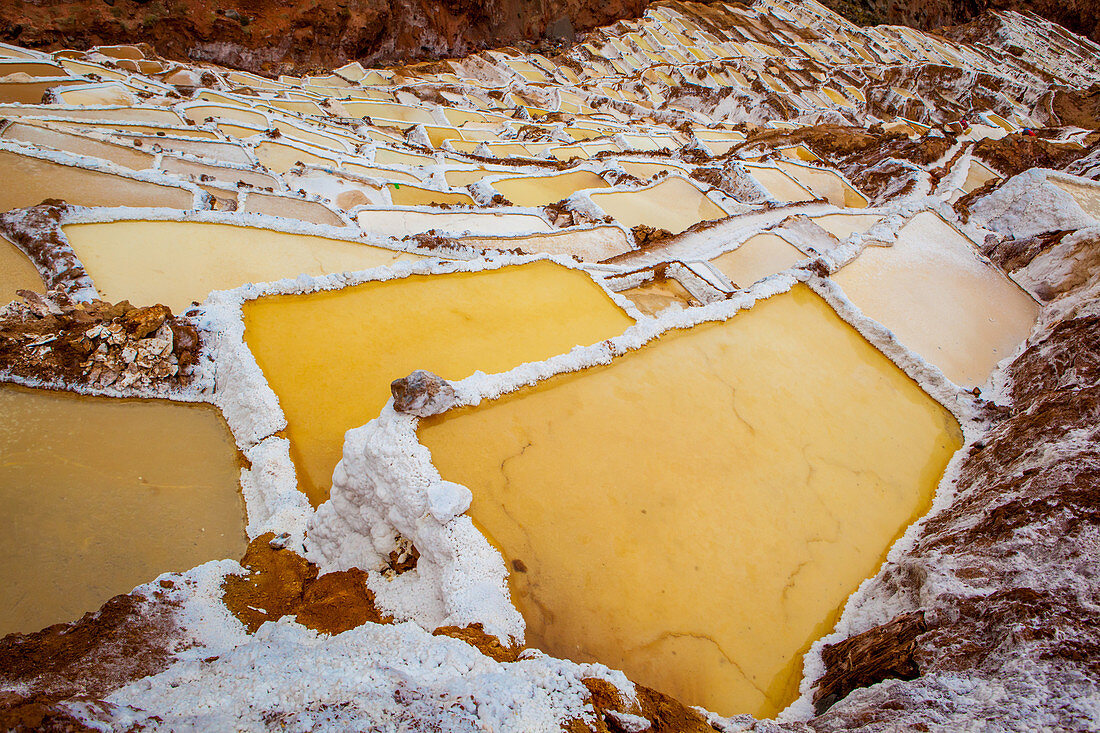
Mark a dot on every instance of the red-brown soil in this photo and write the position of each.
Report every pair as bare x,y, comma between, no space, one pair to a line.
281,583
294,37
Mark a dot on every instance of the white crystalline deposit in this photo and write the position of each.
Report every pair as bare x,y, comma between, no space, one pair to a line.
394,677
1030,204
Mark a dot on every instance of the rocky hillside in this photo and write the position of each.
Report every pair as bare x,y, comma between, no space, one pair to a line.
271,37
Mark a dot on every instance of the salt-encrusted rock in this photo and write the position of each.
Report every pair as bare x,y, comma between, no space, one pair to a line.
446,500
422,394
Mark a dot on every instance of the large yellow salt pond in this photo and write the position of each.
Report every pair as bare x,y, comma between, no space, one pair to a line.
540,190
177,262
30,180
336,377
941,299
103,494
16,272
696,512
672,204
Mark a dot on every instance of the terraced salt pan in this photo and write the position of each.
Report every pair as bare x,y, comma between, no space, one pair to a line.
807,453
121,114
403,222
758,257
225,152
977,175
672,204
941,299
825,184
1086,193
540,190
405,195
178,262
383,173
37,134
646,170
103,494
134,128
589,244
289,207
385,156
281,157
843,226
16,273
333,379
31,90
778,184
39,179
657,293
196,170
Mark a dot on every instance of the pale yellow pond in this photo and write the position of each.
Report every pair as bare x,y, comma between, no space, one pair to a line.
655,295
175,262
758,257
16,273
696,512
540,190
933,290
101,495
672,204
29,181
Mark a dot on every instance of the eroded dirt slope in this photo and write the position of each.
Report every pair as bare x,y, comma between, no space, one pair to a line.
294,37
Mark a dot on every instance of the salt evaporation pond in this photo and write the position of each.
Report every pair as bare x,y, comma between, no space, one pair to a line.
333,377
41,179
757,258
672,204
934,291
697,512
654,295
102,494
177,262
16,272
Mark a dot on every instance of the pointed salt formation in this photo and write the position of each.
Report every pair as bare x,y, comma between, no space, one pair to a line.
102,494
941,299
696,511
330,356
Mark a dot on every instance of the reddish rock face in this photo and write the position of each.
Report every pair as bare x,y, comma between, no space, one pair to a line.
294,37
1082,17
